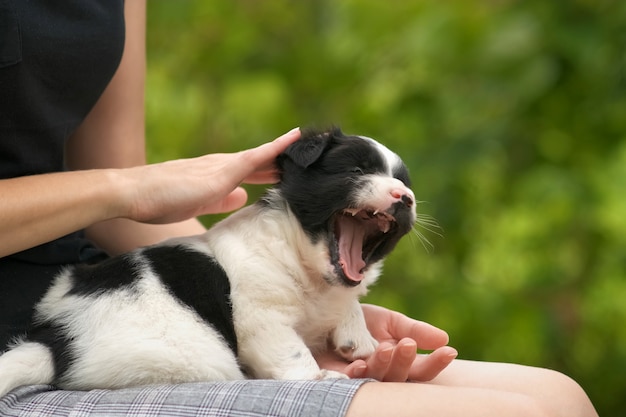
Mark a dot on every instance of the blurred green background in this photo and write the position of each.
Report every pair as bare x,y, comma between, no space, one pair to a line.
510,114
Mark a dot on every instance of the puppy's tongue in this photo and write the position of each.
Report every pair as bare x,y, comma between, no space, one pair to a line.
351,236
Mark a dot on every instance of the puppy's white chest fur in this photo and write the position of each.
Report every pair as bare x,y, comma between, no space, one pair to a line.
283,306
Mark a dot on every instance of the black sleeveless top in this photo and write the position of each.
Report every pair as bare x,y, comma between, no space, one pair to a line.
56,58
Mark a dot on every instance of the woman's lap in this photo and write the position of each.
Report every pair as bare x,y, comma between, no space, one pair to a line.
237,398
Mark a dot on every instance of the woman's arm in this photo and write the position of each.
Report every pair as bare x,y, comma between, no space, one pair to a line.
39,208
111,192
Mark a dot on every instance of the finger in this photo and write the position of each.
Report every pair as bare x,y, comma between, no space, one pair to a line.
266,176
357,369
427,367
426,335
379,362
404,354
265,154
259,163
283,141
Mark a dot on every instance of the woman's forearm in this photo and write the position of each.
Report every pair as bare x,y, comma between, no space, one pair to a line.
39,208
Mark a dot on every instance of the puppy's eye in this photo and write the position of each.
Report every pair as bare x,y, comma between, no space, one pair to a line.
358,170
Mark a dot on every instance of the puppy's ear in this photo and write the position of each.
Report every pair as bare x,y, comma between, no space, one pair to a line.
308,149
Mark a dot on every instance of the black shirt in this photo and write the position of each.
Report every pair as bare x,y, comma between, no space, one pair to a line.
56,59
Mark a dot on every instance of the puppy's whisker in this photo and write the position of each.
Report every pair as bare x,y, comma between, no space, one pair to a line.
426,244
429,224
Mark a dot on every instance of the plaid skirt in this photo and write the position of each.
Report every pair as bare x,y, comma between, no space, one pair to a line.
236,398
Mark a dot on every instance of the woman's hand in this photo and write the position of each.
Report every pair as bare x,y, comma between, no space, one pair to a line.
177,190
396,357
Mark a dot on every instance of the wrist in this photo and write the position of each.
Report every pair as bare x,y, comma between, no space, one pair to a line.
116,197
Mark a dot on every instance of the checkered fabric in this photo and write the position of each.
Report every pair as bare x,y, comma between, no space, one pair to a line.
265,398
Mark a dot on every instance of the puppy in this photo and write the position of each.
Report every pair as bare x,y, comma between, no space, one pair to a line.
254,297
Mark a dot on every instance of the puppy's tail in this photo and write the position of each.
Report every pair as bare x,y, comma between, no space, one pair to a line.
27,363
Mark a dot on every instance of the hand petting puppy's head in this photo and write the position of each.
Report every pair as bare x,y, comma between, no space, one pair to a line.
350,192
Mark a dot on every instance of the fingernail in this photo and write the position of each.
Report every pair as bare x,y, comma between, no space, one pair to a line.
360,371
385,355
408,351
286,136
449,357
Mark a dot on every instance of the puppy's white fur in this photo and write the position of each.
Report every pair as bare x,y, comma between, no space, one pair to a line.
280,314
136,336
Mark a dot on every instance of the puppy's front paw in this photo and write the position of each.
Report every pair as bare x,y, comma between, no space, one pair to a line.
328,374
363,347
351,338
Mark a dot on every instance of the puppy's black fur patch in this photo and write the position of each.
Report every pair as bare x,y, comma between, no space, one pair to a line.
56,339
199,282
108,275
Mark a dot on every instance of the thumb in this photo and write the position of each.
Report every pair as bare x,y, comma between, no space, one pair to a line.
236,199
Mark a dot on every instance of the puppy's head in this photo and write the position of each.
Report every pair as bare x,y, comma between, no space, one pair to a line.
350,192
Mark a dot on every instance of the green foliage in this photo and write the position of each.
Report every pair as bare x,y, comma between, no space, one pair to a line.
510,114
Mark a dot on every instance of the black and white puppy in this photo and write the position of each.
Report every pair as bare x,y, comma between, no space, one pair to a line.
255,296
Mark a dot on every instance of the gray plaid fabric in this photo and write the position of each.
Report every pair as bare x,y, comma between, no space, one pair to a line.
237,398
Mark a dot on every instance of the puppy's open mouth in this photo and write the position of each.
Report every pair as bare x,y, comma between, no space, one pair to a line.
359,233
